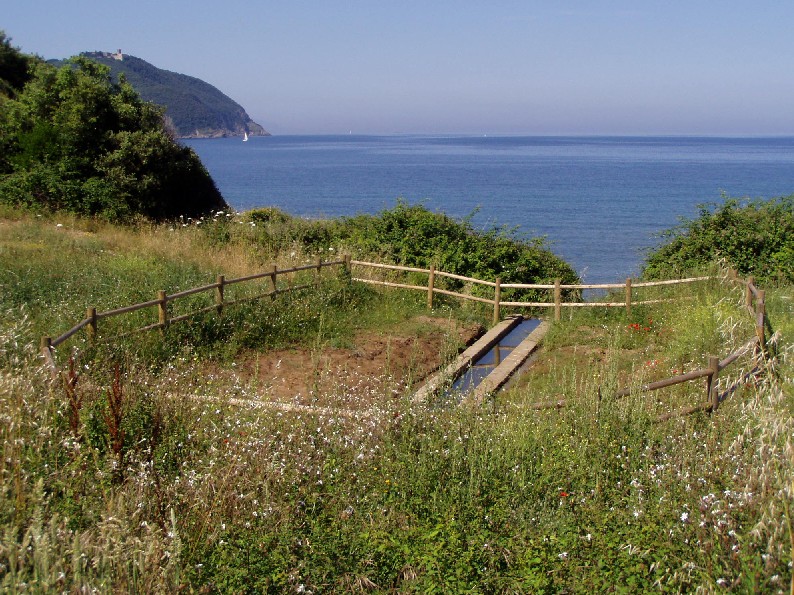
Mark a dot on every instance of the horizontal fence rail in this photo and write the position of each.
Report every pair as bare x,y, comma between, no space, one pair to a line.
164,299
754,303
557,288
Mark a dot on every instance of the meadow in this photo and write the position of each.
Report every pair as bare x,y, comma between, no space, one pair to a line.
136,471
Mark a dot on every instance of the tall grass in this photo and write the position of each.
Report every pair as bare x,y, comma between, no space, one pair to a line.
167,483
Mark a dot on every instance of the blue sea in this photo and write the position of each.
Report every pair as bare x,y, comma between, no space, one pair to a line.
600,202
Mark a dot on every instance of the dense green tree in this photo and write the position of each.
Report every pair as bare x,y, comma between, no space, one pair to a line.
75,140
13,67
755,237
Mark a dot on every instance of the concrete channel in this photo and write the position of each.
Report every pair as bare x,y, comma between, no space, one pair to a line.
489,363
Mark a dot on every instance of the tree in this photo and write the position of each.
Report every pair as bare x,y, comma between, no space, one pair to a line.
77,141
13,67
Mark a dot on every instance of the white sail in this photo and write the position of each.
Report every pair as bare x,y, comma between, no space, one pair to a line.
245,136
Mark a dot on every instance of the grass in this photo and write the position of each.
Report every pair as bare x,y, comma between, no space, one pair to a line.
145,480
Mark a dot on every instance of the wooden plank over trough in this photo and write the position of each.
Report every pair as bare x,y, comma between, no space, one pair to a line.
464,360
501,374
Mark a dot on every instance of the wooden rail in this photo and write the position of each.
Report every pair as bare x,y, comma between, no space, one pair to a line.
90,322
754,302
497,302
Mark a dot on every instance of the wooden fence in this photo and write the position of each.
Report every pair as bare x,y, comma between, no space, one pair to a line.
498,302
754,298
91,322
754,302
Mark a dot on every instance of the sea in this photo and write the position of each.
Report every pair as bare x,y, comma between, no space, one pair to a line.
599,202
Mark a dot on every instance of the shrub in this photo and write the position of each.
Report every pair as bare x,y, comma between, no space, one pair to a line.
755,237
267,215
412,235
73,140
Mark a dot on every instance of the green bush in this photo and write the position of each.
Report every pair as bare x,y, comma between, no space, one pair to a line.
409,235
755,237
415,236
267,215
73,140
412,235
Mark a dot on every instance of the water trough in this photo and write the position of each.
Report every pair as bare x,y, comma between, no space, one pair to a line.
489,363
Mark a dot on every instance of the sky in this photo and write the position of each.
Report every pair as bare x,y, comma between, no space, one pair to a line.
695,67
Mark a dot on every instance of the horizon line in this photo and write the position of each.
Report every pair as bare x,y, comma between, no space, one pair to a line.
535,135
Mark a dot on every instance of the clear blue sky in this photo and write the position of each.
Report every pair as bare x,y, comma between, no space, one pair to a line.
437,67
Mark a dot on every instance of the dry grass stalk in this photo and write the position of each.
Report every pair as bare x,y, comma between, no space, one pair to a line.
114,416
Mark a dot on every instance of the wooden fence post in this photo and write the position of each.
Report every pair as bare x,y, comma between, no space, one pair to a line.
628,296
346,258
760,319
162,309
712,394
220,281
431,282
319,269
557,299
91,329
496,299
273,273
46,353
748,293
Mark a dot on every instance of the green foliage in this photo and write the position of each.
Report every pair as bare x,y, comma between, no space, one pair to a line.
755,237
214,491
267,215
76,141
13,67
14,74
412,235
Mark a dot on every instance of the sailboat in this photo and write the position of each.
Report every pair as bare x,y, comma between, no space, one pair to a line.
245,136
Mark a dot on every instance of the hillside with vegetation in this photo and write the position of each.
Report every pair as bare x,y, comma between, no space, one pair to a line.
159,462
73,140
194,108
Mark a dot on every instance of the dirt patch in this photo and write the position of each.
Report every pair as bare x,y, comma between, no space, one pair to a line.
379,364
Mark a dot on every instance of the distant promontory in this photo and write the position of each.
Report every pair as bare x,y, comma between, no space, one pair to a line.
193,108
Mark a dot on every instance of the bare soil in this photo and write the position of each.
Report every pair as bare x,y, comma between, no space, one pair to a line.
377,364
